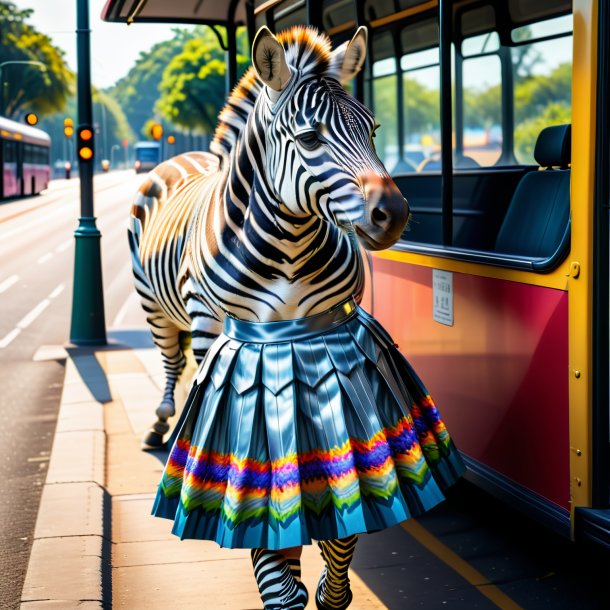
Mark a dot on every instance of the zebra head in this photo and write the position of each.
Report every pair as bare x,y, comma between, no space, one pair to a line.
320,156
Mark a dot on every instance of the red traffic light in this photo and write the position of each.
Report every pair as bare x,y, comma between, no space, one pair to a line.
68,122
171,140
156,131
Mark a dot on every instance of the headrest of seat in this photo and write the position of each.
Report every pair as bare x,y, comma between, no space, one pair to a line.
554,146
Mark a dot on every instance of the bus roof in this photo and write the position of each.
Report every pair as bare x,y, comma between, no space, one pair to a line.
335,14
11,130
178,11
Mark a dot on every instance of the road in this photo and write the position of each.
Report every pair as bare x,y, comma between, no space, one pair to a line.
36,267
470,552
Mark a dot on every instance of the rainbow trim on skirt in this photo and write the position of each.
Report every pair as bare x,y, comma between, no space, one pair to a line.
321,436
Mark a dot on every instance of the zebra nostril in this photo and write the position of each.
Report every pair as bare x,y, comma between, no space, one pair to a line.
379,216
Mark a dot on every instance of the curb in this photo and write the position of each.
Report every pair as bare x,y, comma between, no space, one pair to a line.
68,565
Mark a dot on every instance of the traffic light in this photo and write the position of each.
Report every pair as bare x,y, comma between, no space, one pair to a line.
68,128
31,118
85,143
171,140
156,131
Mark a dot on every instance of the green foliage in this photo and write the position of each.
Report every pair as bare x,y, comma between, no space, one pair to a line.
535,93
527,131
111,122
193,88
27,87
421,111
182,79
138,92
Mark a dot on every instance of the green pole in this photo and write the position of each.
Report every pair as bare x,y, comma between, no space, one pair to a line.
88,325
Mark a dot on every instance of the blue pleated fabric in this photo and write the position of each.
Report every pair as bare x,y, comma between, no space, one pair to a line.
305,429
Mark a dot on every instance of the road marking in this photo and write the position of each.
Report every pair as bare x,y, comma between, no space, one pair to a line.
30,317
8,282
44,258
483,585
57,291
9,338
65,245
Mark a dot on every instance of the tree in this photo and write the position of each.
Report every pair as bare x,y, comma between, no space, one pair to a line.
526,133
26,86
138,92
193,88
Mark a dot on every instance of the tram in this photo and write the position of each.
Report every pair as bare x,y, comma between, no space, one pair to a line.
24,158
495,125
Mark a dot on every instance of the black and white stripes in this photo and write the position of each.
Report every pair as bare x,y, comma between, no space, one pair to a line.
277,586
265,228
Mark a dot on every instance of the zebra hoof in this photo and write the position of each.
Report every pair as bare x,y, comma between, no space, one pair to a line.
152,440
165,410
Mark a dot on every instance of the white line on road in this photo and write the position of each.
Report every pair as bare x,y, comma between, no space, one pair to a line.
44,258
30,317
4,342
65,245
8,282
57,291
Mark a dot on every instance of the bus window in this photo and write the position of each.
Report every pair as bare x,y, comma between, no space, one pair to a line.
542,72
482,101
385,102
422,132
419,64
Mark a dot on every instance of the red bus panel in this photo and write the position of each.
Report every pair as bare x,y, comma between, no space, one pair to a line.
498,375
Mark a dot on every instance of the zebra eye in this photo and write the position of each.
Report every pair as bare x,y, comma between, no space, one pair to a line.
309,140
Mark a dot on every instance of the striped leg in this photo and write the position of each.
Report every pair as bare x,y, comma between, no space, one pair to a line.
295,568
333,591
166,337
277,587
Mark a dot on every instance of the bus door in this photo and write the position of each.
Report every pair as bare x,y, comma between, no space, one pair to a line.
10,169
482,309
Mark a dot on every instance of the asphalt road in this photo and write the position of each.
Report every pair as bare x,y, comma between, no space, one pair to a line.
36,267
470,552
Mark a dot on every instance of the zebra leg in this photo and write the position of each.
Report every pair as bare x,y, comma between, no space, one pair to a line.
166,336
333,591
277,587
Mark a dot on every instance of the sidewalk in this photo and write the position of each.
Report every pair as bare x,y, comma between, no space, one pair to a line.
95,543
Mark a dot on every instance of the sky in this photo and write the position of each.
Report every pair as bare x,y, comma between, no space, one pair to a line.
114,46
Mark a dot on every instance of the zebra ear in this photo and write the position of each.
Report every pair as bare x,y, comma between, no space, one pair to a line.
348,59
269,60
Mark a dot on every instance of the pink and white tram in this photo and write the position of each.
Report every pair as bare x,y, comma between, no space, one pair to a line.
24,158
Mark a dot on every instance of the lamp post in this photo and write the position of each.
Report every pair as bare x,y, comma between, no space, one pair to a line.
88,324
114,147
10,62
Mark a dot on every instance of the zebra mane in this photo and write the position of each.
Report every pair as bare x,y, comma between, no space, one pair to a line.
307,50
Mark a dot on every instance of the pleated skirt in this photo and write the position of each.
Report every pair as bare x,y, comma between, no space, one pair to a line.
305,429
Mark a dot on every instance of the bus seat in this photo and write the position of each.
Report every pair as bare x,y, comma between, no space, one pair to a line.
539,210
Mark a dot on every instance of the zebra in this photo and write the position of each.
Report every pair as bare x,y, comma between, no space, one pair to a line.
268,224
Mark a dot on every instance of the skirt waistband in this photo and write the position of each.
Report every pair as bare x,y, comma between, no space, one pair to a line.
290,330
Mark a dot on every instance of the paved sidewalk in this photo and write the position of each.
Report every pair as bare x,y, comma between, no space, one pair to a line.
95,543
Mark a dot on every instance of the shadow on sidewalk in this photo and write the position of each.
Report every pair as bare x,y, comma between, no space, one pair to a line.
132,338
91,372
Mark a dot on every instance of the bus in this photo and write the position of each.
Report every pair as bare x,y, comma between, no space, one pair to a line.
495,124
24,158
147,156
